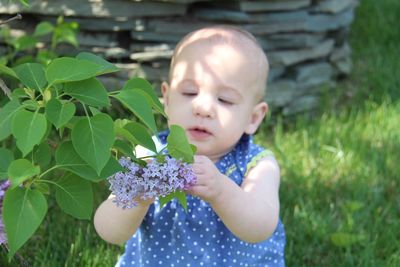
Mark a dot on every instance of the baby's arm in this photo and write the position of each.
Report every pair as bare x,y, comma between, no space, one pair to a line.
116,225
249,211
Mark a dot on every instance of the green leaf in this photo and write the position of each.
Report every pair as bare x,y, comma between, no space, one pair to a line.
122,132
148,92
43,28
194,148
137,103
23,212
179,195
106,67
68,159
93,138
111,168
90,91
94,111
67,69
31,75
7,113
18,93
125,148
20,170
6,157
42,154
64,33
178,145
45,56
28,128
140,133
8,71
74,195
31,104
166,199
73,121
24,2
59,113
42,188
25,42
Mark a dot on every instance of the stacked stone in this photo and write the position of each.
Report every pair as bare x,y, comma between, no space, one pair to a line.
305,40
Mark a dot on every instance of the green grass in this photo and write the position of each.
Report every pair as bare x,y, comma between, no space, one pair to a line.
340,171
345,158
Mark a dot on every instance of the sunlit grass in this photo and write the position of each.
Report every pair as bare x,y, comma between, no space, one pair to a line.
328,164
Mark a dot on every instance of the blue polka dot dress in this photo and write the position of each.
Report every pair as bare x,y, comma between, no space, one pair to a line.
172,237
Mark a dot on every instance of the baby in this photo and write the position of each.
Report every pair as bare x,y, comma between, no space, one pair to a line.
216,92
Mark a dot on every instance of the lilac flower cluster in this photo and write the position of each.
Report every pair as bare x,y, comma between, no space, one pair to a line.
4,185
154,180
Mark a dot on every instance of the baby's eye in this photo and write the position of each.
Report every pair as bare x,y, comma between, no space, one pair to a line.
225,101
189,93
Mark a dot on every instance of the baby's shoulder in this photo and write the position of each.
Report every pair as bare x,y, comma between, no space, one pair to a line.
256,155
264,161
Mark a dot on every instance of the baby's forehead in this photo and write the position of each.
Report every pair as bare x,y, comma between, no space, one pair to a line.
221,37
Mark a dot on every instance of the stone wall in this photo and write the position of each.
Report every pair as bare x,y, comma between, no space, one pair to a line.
305,40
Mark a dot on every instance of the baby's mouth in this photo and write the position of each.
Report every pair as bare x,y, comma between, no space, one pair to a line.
199,133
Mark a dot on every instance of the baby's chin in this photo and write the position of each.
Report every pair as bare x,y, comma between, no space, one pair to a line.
212,155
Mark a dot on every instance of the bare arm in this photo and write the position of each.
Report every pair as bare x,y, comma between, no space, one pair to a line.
250,211
115,225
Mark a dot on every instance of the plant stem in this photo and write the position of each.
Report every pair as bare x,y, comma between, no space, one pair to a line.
49,170
114,93
18,16
149,157
86,112
160,152
5,89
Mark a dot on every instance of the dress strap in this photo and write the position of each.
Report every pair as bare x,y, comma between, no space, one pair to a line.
254,160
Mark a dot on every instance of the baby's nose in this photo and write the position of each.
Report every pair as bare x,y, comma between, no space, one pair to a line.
203,107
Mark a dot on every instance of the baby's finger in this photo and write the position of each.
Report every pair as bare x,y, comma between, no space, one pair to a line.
200,159
197,190
199,179
197,168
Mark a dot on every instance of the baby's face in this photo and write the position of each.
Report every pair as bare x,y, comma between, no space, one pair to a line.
213,96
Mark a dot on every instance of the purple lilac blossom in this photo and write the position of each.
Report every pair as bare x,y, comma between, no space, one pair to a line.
154,180
4,185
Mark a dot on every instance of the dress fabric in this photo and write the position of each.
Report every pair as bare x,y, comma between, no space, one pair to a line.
172,237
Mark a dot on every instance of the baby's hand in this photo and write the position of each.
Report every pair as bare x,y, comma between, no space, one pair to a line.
209,179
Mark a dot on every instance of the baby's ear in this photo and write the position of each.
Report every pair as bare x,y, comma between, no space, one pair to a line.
164,91
257,117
